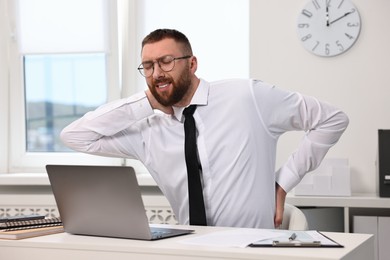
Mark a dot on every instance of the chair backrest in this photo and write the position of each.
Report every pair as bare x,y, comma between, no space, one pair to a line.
293,218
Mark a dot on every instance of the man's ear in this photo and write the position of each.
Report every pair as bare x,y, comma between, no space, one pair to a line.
194,64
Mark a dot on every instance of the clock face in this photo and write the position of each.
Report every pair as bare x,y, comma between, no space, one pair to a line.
328,27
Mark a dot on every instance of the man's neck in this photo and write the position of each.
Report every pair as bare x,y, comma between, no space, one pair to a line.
190,93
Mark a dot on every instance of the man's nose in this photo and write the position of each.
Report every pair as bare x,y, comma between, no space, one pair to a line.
157,71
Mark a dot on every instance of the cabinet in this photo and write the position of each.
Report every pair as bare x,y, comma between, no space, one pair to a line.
357,204
380,227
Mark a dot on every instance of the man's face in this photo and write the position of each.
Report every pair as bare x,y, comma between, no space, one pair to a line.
168,88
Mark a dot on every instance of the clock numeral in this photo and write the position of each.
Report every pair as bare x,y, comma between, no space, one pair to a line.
353,24
307,13
349,36
315,46
327,50
304,38
316,5
341,47
303,25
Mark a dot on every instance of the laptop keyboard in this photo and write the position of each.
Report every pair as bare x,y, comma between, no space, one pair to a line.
160,233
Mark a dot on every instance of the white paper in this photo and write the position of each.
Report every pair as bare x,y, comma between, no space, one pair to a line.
231,238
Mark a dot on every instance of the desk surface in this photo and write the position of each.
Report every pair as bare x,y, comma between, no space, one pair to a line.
66,246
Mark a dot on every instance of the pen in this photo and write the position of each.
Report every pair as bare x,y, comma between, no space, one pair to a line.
292,237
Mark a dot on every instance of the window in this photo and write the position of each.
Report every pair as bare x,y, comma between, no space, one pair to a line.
60,88
66,57
61,68
60,74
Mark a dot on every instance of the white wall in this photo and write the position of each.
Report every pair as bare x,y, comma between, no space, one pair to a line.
357,81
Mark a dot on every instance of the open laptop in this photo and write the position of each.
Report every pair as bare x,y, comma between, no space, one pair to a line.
103,201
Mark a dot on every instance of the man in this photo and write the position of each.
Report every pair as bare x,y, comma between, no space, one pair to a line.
238,124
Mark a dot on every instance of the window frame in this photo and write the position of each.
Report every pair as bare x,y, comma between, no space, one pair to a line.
4,85
19,160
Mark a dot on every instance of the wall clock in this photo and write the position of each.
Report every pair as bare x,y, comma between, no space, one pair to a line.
328,27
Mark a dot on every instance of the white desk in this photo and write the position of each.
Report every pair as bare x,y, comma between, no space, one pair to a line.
65,247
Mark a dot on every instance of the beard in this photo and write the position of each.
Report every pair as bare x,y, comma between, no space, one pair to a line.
178,91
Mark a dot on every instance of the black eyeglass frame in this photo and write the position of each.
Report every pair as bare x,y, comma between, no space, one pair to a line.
141,68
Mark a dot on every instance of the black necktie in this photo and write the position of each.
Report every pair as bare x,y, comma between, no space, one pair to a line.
195,193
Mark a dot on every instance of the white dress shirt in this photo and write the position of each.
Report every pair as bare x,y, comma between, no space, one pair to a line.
238,123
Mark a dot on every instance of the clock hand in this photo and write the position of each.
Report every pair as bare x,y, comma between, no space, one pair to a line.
341,17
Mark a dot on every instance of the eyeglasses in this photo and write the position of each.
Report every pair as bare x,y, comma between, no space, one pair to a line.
166,64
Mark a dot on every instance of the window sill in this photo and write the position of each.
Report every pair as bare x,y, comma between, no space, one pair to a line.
41,179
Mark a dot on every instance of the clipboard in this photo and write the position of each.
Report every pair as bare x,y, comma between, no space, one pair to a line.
299,239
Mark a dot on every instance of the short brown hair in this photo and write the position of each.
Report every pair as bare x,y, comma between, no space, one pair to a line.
161,34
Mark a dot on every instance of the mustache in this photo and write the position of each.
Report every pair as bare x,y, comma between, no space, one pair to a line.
162,80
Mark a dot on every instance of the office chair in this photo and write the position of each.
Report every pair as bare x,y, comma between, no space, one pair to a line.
293,218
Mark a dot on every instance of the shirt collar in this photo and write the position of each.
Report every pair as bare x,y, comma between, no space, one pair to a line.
200,98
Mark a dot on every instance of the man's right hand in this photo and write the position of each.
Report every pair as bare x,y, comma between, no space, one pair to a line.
280,200
156,105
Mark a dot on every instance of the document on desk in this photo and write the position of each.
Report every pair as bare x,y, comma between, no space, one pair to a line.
244,237
310,238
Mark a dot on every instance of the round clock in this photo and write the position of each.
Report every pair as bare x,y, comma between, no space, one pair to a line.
328,28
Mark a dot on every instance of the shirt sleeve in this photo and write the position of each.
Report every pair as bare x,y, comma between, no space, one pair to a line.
283,111
101,132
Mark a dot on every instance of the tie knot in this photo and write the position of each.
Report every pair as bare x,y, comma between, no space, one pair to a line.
189,111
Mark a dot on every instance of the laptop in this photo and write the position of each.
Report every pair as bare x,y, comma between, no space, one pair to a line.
103,201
